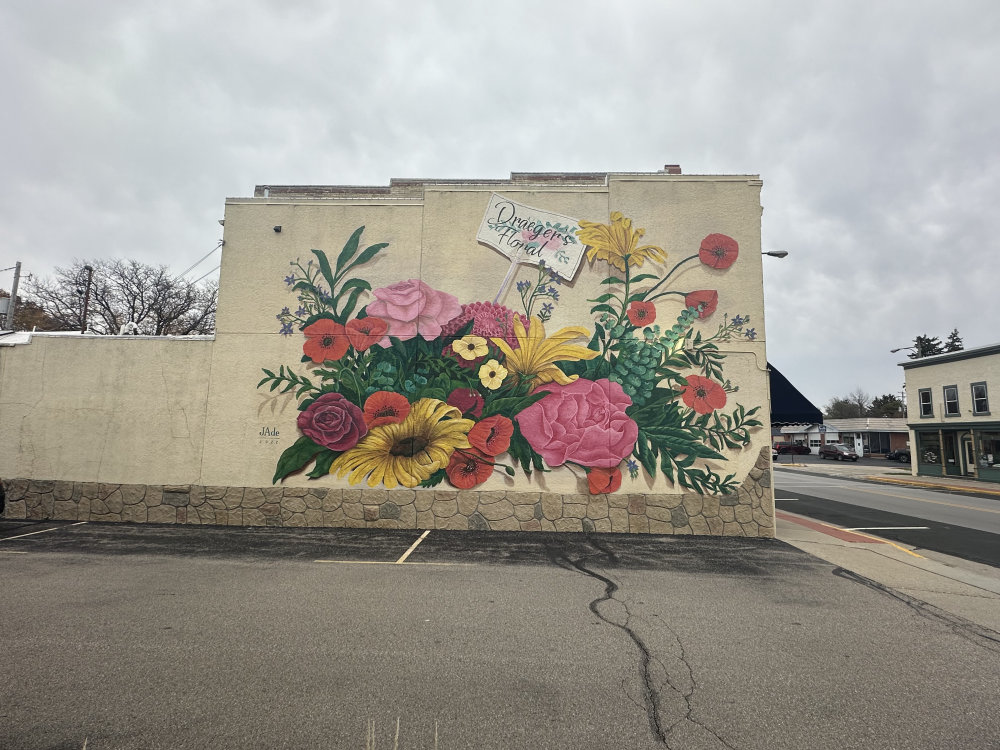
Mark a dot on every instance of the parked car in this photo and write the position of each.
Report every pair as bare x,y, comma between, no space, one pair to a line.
798,448
901,455
837,452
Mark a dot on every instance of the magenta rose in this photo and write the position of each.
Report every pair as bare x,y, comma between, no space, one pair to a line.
411,308
583,422
333,422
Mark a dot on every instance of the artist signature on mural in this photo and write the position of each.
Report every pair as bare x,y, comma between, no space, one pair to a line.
268,436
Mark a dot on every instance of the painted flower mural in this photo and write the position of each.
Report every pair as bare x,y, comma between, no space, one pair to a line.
406,385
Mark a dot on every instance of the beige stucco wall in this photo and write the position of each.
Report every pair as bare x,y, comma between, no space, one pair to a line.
189,414
104,408
433,239
962,373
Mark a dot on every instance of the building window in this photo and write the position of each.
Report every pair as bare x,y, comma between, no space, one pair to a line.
980,401
951,401
814,443
926,405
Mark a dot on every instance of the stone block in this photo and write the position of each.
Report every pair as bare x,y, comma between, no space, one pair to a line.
468,502
333,499
444,508
488,497
729,500
334,518
619,519
598,507
750,529
43,486
679,517
524,512
638,524
455,522
762,518
497,511
176,499
313,500
715,525
163,514
15,509
588,525
135,514
62,491
637,505
532,524
371,513
402,497
547,525
295,520
692,503
656,513
602,525
699,525
552,505
524,498
133,494
114,502
727,513
732,529
660,527
574,510
423,500
618,500
253,498
408,516
253,517
181,514
389,510
744,513
710,506
568,524
294,504
478,523
314,517
153,496
425,519
506,524
65,510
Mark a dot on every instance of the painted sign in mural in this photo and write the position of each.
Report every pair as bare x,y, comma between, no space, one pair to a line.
406,385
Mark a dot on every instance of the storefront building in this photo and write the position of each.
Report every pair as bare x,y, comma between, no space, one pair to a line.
953,428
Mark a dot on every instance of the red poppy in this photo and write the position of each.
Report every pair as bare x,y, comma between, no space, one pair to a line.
719,251
641,313
703,395
385,407
706,300
601,481
467,400
492,435
468,467
325,340
364,333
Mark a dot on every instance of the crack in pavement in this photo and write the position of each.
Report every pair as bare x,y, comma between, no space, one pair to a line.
970,631
614,611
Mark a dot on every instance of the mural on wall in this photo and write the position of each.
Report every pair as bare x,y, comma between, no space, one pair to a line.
406,385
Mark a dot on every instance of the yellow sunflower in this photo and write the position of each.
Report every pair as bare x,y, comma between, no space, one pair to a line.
406,452
536,356
617,241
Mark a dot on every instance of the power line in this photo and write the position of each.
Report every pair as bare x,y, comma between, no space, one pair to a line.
199,261
212,271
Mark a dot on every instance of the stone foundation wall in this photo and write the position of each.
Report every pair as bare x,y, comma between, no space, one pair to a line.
748,512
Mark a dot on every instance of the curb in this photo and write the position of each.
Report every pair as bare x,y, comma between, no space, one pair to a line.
959,488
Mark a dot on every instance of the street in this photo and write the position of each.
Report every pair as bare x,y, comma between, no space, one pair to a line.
144,636
961,525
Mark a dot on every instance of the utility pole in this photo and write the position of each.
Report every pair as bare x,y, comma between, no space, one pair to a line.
12,307
86,298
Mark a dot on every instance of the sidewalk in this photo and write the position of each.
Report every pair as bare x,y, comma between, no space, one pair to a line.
932,583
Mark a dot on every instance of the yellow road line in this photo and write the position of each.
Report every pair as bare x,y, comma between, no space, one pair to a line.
934,486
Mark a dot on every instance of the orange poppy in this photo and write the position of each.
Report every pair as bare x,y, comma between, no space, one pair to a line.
601,481
364,333
385,407
492,435
703,395
468,467
719,251
641,313
704,300
325,341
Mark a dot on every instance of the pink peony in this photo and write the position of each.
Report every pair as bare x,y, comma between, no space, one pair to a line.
411,308
333,422
489,320
583,422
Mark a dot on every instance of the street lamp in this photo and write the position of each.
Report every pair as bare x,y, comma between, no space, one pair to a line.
776,253
902,348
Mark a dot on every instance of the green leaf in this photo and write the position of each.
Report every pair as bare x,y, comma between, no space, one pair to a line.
295,457
352,300
324,267
350,248
604,298
644,277
603,308
367,255
434,479
323,462
613,280
512,405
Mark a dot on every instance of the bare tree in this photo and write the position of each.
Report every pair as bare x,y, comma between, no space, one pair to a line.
126,292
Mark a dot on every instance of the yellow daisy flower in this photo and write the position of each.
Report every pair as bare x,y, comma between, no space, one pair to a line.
406,452
617,241
492,373
470,347
536,356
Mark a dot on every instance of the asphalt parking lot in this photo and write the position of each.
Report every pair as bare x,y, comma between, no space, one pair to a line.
121,636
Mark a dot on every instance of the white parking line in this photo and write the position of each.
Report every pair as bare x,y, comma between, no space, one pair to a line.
43,531
413,547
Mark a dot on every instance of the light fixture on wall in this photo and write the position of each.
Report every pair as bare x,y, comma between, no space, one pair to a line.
277,228
776,253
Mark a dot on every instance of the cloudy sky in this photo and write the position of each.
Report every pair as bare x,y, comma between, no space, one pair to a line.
875,127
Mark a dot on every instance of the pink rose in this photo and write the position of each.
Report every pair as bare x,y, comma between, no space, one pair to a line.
333,422
411,308
583,422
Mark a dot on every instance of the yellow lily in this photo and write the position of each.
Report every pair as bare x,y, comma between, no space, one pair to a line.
617,241
536,356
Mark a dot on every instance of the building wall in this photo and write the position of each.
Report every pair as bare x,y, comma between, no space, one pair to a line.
966,444
696,437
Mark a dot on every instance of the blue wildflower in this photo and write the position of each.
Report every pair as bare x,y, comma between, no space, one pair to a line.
286,329
547,308
290,280
301,311
553,292
750,333
737,321
633,468
523,286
